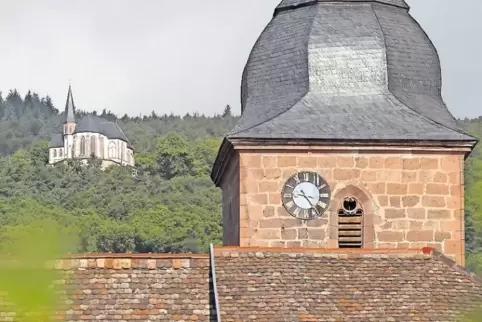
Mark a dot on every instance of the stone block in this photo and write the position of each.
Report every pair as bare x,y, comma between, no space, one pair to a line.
285,161
397,188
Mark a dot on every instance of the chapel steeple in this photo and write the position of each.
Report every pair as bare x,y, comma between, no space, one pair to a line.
69,114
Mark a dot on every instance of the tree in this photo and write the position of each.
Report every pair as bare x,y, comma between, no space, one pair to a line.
175,157
227,111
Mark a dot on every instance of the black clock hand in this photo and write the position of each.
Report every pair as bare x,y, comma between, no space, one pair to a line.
316,210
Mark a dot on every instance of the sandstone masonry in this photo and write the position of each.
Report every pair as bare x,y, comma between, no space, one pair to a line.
411,199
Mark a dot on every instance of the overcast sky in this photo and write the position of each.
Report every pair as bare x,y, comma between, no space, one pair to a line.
135,56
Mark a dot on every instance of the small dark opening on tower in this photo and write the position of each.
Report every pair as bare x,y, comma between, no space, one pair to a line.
350,224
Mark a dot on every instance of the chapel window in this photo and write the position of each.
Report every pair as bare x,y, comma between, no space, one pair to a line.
82,146
60,153
112,150
93,145
350,224
55,153
101,154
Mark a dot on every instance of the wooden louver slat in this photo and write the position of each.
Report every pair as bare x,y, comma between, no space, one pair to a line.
350,229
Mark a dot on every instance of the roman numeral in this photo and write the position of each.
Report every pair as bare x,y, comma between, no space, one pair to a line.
322,186
289,204
296,212
324,195
322,204
297,179
306,176
288,196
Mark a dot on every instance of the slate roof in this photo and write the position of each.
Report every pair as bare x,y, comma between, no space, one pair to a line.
340,285
92,123
333,70
57,141
95,124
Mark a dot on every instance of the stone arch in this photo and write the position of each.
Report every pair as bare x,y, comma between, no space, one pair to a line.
365,201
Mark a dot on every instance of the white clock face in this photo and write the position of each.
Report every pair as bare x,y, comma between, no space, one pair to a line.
306,195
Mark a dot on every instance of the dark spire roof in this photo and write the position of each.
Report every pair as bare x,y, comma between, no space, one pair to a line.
344,70
69,114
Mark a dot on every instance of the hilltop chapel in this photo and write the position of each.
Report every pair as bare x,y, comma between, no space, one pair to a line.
342,188
91,137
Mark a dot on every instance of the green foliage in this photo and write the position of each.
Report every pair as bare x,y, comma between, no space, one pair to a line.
26,248
170,206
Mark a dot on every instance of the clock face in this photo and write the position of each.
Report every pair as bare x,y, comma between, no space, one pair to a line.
306,195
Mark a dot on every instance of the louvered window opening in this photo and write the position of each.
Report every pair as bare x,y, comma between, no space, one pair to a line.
350,225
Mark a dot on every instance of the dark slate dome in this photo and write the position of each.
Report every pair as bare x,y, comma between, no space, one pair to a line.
343,70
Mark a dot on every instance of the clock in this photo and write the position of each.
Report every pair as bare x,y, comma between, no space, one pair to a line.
306,195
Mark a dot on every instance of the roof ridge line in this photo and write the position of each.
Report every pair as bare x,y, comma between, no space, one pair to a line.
425,117
388,87
269,119
452,264
289,108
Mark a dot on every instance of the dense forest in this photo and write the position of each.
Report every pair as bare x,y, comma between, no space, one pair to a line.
171,204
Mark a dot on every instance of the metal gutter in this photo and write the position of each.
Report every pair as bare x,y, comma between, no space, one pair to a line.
215,287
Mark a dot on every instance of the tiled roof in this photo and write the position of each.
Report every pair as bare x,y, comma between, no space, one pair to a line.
340,69
120,287
339,285
246,284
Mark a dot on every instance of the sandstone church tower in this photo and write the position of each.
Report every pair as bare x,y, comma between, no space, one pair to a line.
344,139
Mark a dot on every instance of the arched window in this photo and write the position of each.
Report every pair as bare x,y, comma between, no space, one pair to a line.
350,224
55,153
123,151
61,153
112,150
101,154
82,146
93,145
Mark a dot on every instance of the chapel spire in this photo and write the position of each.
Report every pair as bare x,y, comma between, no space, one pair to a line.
69,115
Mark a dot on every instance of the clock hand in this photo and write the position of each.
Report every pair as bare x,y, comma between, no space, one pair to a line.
312,206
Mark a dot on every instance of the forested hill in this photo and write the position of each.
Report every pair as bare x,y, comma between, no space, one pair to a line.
171,206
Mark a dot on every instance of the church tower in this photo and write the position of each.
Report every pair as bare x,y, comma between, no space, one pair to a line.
344,139
69,124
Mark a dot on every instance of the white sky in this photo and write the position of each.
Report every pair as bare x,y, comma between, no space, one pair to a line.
135,56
